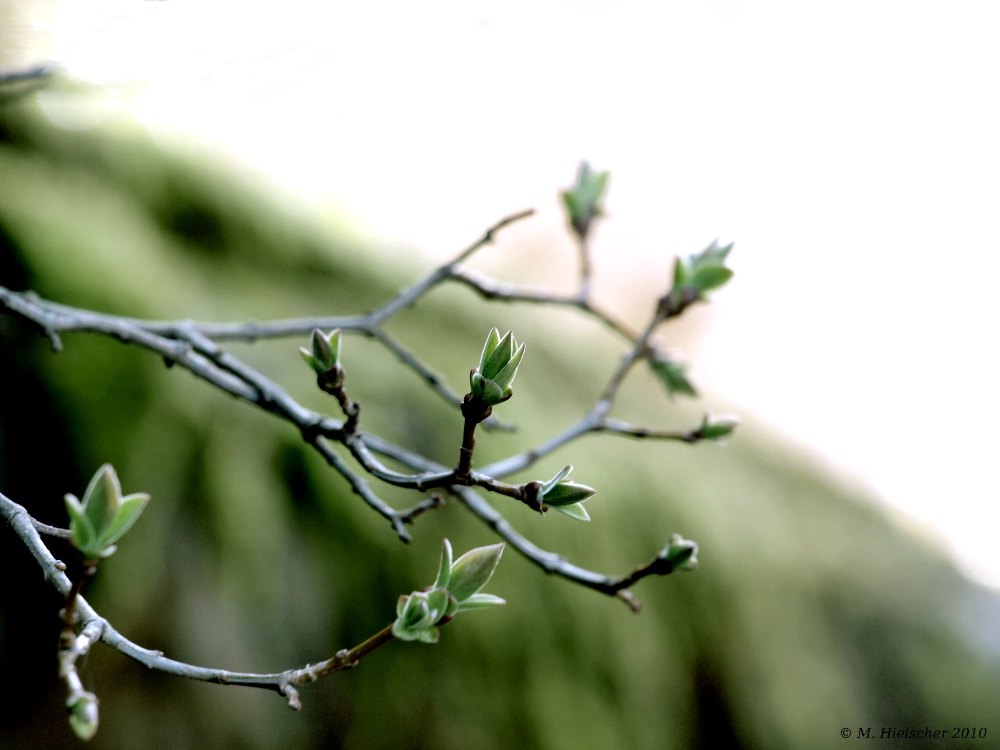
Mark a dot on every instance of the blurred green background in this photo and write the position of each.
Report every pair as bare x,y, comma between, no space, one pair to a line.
811,611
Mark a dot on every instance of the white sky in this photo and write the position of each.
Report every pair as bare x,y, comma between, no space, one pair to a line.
850,150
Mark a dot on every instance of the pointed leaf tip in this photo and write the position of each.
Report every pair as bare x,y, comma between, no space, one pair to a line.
576,511
444,568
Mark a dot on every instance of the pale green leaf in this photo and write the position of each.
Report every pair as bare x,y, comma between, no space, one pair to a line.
473,570
444,568
131,507
481,601
102,498
573,511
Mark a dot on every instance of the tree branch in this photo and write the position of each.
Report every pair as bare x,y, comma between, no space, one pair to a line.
195,346
94,628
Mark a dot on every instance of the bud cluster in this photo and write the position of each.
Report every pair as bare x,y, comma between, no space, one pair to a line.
324,359
695,276
456,589
103,516
490,382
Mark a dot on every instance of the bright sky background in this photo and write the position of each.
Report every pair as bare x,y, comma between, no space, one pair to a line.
849,149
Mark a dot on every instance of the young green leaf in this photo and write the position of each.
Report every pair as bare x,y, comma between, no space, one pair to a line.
481,601
680,554
82,534
707,278
102,498
473,570
576,511
566,496
673,375
563,473
131,507
444,568
492,339
567,493
499,357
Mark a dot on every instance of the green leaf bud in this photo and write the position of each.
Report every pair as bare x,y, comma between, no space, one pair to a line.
680,554
698,274
324,355
326,347
717,428
568,493
83,714
418,613
565,496
103,516
583,200
456,589
498,363
486,390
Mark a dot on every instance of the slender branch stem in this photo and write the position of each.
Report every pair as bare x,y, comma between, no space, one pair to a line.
94,628
408,297
475,411
195,346
44,528
506,292
624,428
584,247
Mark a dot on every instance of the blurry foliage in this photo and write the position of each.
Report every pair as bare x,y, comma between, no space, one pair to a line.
810,611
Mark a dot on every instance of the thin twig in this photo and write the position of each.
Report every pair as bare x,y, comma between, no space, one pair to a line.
502,291
409,296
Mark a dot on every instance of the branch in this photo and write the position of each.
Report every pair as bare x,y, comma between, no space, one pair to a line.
408,297
195,347
492,289
550,562
183,344
95,628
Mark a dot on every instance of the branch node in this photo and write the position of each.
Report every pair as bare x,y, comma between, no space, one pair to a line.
626,596
54,340
398,525
292,695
